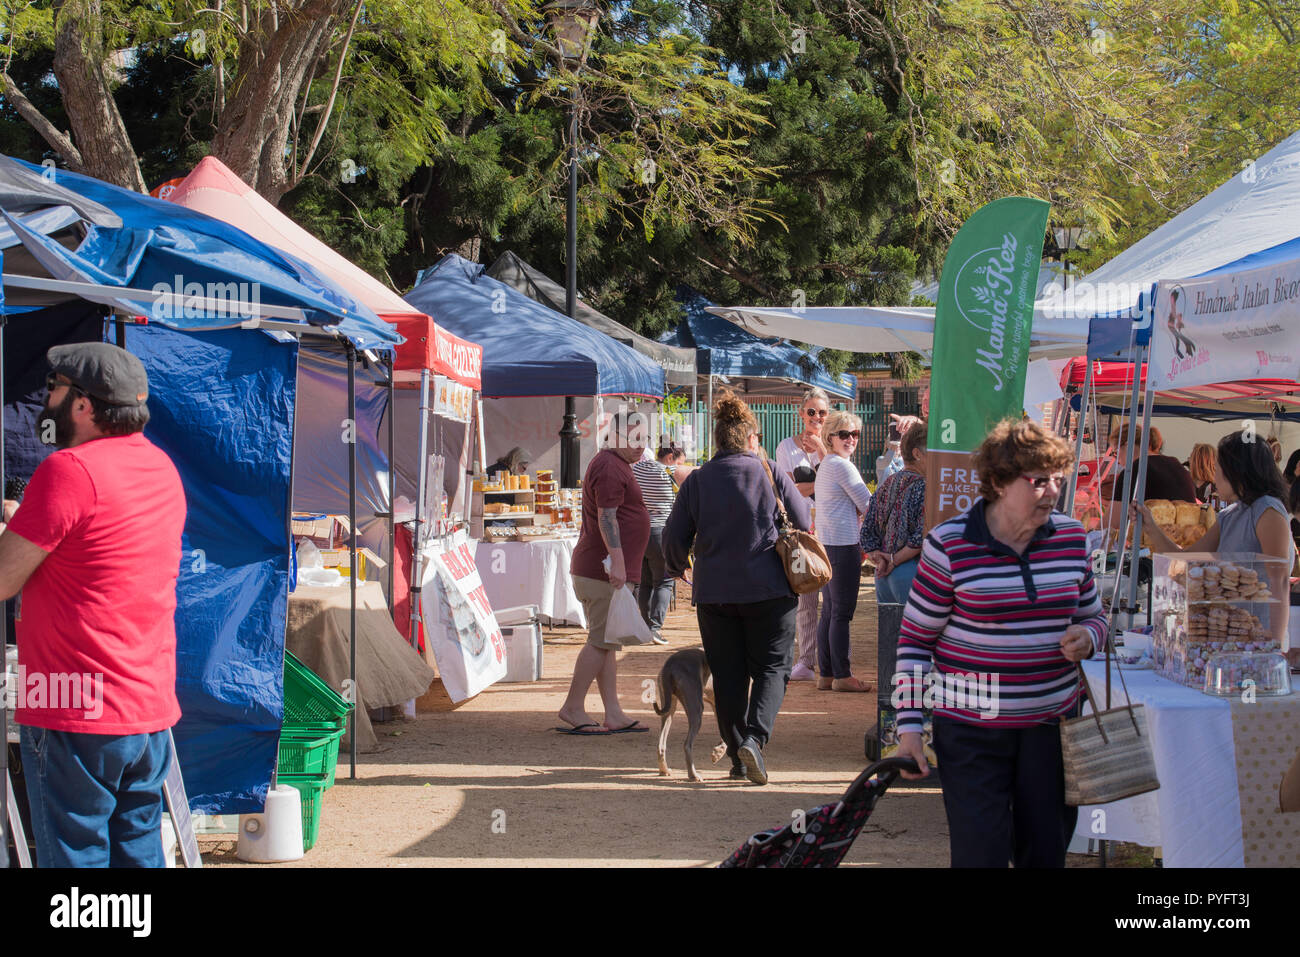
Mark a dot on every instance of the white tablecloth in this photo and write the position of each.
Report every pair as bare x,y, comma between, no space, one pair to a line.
1195,815
531,573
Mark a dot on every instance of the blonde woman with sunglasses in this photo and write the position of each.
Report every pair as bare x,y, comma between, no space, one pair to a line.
842,500
799,457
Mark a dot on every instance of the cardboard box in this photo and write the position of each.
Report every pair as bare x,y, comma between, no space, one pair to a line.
370,565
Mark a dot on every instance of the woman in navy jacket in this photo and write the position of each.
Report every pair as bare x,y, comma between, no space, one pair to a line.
727,511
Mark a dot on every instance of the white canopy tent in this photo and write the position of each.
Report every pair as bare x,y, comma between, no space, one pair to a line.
1256,209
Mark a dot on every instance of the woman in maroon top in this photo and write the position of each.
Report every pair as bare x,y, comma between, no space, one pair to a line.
615,524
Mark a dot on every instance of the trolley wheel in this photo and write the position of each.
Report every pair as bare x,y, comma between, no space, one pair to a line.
871,743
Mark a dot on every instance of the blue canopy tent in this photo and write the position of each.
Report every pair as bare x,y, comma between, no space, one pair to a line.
216,319
753,364
539,366
529,350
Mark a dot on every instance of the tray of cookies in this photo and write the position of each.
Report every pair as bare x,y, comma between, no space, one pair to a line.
1207,604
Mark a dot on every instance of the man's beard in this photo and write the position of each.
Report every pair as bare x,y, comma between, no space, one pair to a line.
61,416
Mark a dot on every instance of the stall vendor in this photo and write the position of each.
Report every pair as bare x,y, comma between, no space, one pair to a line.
1255,520
95,548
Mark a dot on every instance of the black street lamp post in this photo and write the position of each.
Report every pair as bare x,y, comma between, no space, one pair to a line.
573,23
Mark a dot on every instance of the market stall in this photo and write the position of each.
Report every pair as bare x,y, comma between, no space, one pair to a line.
222,347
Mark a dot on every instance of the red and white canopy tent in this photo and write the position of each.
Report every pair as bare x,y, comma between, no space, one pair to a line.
434,370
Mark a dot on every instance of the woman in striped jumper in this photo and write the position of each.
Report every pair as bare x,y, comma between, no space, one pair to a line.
842,499
1003,607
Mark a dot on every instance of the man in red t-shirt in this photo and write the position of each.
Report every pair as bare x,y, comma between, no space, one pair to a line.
95,549
615,525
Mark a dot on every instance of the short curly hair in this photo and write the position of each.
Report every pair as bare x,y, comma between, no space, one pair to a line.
1015,447
840,420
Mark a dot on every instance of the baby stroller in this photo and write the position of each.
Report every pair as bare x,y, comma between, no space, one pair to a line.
825,834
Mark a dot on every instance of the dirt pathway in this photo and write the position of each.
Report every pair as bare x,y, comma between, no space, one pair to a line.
489,784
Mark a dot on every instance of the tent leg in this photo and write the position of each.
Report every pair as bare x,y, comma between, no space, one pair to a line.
4,641
709,419
418,538
1078,439
352,548
392,478
695,418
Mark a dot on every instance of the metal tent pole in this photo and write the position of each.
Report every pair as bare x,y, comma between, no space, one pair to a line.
392,477
417,539
352,548
709,420
695,417
1078,439
1140,494
4,647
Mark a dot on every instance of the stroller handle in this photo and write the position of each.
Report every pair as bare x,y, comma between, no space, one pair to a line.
887,769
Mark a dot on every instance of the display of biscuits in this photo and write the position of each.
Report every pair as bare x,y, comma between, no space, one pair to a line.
1224,581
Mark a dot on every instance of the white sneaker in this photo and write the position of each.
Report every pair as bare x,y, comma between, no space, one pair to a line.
657,638
801,672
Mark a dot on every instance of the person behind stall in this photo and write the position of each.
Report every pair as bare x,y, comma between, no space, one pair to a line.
1166,477
842,498
515,462
1289,474
615,525
727,512
1256,519
1004,595
1200,464
95,549
894,526
798,457
657,479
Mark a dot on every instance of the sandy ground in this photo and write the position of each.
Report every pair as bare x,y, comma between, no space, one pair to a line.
491,784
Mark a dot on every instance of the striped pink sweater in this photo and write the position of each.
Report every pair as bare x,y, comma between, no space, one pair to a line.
980,639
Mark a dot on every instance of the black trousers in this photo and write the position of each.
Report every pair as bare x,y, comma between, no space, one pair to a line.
752,642
1004,792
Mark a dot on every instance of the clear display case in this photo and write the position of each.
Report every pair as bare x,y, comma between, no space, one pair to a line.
1205,604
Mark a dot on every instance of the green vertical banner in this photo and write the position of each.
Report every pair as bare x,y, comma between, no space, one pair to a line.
981,343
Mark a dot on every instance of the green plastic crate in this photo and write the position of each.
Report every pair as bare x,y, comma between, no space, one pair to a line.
310,752
307,699
312,788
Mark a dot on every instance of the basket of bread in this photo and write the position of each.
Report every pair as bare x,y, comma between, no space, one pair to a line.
1183,522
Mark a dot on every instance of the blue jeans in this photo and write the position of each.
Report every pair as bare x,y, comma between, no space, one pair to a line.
656,589
839,602
96,799
894,587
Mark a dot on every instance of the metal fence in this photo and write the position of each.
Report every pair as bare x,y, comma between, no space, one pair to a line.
778,421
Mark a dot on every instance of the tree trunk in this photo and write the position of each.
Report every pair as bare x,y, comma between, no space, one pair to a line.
80,68
273,65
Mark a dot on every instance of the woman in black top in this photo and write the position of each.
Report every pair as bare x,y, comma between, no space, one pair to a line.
726,510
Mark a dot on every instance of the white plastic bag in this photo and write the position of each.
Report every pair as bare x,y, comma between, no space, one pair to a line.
624,623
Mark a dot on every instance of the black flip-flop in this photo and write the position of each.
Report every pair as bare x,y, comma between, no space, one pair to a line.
577,729
630,728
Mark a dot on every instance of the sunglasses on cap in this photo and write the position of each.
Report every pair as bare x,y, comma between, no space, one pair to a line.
844,435
53,381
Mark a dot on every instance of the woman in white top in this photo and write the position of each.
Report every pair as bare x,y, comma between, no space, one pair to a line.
842,499
798,457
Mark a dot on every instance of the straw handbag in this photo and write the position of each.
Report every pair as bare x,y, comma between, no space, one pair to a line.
1107,754
807,566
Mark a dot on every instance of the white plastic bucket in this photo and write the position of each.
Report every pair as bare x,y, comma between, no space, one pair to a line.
276,833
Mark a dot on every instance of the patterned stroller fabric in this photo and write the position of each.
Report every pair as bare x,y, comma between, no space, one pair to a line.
826,833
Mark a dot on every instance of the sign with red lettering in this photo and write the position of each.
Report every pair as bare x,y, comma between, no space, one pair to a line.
463,632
